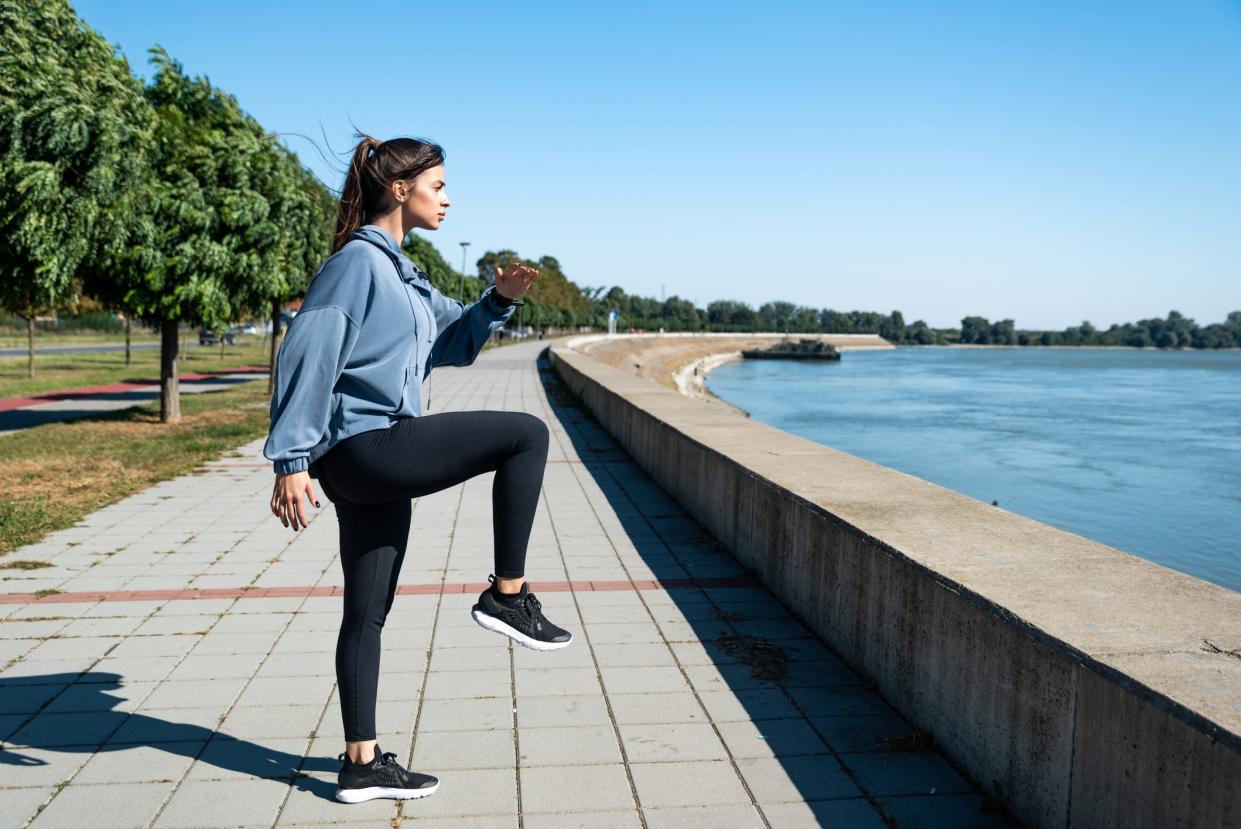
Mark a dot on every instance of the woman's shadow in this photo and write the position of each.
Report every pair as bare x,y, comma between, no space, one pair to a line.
90,725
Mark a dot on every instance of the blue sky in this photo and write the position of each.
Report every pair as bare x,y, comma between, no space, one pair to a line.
1045,161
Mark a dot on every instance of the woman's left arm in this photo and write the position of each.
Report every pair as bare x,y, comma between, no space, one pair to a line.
464,329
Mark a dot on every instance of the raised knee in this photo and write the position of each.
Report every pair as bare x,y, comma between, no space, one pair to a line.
536,430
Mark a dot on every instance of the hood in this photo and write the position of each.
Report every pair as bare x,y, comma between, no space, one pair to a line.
383,240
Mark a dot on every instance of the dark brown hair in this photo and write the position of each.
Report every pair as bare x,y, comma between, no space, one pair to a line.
375,165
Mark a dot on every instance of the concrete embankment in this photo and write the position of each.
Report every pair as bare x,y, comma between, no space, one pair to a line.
683,361
1080,685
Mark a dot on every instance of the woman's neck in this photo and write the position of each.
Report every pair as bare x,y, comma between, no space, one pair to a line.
392,224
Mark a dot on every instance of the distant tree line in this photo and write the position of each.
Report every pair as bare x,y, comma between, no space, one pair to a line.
1175,331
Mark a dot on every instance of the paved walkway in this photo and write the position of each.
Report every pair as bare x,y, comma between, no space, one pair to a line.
66,404
690,697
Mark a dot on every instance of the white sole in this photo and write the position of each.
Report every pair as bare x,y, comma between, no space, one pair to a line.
373,792
493,624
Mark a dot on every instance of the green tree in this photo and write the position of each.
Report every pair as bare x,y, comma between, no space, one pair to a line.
75,129
305,214
975,330
893,328
445,278
211,236
1002,332
920,333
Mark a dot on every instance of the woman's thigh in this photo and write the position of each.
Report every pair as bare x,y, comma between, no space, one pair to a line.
373,540
421,455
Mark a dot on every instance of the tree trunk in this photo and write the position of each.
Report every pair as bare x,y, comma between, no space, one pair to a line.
30,345
129,326
222,341
169,376
275,346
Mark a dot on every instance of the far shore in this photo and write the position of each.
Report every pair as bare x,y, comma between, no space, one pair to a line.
1074,347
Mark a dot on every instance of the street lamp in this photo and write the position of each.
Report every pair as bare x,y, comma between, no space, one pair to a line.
464,245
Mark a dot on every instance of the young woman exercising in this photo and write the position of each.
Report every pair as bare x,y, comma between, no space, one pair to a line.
347,410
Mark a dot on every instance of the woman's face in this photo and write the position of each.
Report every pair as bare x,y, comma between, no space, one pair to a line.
426,199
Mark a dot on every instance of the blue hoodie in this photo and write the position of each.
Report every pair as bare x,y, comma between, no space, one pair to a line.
369,332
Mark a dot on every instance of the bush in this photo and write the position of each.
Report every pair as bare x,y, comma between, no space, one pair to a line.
98,321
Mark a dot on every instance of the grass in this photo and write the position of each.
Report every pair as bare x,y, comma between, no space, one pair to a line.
25,565
66,371
58,473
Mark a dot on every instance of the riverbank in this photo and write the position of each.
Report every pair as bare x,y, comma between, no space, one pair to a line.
681,362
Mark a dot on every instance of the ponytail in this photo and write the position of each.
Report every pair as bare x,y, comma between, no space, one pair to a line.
373,168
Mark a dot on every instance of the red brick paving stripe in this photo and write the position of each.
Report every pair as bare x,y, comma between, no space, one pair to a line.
403,590
10,403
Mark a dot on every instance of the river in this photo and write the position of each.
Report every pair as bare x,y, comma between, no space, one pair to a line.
1140,450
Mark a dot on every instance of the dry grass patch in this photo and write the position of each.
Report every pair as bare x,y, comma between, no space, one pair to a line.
58,473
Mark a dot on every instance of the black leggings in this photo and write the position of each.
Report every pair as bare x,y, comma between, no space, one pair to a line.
372,476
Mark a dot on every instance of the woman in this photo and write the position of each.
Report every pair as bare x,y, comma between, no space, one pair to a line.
348,410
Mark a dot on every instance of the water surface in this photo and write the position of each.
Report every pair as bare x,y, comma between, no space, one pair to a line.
1138,449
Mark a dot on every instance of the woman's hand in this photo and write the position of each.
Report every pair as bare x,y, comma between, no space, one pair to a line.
514,280
286,498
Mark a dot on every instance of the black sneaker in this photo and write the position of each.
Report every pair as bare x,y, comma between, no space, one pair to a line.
383,776
520,617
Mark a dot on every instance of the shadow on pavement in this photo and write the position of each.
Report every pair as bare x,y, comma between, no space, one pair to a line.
113,402
90,724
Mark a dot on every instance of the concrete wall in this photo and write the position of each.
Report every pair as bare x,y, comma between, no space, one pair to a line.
1071,680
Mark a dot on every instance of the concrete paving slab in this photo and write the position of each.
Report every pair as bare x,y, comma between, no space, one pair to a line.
467,684
43,766
156,762
199,804
491,749
854,814
866,733
581,789
770,738
637,680
536,682
628,819
110,806
568,745
668,707
469,793
687,784
18,805
946,811
228,758
748,704
84,728
796,779
252,721
483,713
705,817
560,711
905,773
